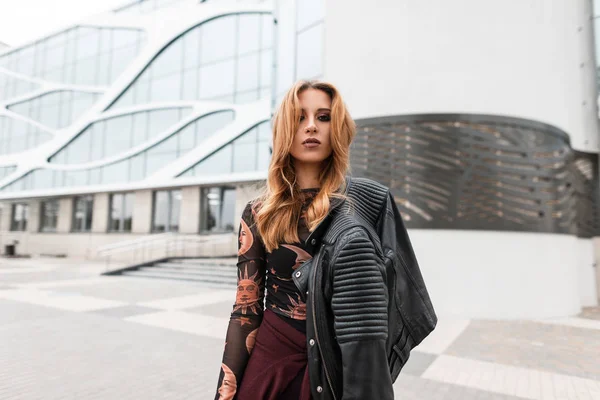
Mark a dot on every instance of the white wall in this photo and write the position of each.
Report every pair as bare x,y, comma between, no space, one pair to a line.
478,274
527,59
586,273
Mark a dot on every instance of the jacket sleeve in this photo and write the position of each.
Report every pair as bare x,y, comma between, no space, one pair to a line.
247,312
359,305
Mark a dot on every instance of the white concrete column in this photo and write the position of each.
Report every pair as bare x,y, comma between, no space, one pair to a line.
189,217
244,193
5,210
100,213
65,215
142,212
33,218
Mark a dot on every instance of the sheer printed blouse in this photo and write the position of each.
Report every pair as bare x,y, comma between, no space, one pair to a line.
258,269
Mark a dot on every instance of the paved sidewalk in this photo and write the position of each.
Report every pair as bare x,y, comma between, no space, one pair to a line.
68,333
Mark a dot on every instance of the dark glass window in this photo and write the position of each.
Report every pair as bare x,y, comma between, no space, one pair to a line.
121,212
19,216
218,209
82,213
167,205
49,215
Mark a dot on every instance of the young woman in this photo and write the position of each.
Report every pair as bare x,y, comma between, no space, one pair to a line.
308,210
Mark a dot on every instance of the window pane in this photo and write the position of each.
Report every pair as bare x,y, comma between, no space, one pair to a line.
161,211
217,80
228,212
309,55
128,212
225,30
175,210
247,74
49,217
249,33
20,214
309,11
116,212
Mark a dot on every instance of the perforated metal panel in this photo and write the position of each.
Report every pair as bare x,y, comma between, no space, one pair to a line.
480,172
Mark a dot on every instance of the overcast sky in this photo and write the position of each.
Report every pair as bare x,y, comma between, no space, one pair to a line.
24,20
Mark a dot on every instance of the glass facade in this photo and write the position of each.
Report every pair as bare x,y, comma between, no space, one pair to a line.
115,135
228,59
196,66
166,210
130,169
218,210
82,213
19,216
121,212
17,135
81,55
249,152
11,87
56,109
49,215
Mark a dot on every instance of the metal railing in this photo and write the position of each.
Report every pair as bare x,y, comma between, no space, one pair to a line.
157,247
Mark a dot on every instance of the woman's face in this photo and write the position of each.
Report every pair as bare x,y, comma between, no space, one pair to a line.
312,140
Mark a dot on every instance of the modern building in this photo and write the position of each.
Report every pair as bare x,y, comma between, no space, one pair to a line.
482,117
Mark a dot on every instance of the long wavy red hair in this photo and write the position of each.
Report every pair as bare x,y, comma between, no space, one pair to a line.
278,210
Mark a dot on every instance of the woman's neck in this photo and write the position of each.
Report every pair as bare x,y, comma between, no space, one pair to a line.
307,175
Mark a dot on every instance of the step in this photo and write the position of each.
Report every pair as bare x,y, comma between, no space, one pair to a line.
220,261
196,267
208,273
163,275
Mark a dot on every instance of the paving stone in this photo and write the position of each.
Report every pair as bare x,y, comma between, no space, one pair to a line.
125,311
409,387
553,348
417,363
13,312
219,310
135,290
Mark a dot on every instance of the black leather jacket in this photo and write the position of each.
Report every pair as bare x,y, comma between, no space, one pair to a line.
347,297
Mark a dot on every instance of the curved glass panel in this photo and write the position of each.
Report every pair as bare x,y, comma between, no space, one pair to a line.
11,87
6,171
226,59
131,169
145,6
80,55
17,136
56,109
112,136
249,152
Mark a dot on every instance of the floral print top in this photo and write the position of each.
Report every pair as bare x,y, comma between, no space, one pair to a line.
259,270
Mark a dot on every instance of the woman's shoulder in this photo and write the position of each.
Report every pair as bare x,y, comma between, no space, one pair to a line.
367,184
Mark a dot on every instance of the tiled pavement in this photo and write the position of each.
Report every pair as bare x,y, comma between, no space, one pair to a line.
68,333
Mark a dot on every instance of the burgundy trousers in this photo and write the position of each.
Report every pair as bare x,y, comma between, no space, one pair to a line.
277,369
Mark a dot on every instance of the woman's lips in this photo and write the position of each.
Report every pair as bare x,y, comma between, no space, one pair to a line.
311,143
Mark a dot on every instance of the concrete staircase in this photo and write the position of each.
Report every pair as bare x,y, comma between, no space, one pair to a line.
220,272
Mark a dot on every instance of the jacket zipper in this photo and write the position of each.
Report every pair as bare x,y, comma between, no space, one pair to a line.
315,326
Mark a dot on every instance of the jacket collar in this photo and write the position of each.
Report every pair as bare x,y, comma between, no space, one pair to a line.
314,239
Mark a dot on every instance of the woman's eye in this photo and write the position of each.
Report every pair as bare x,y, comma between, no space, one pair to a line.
301,117
324,118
